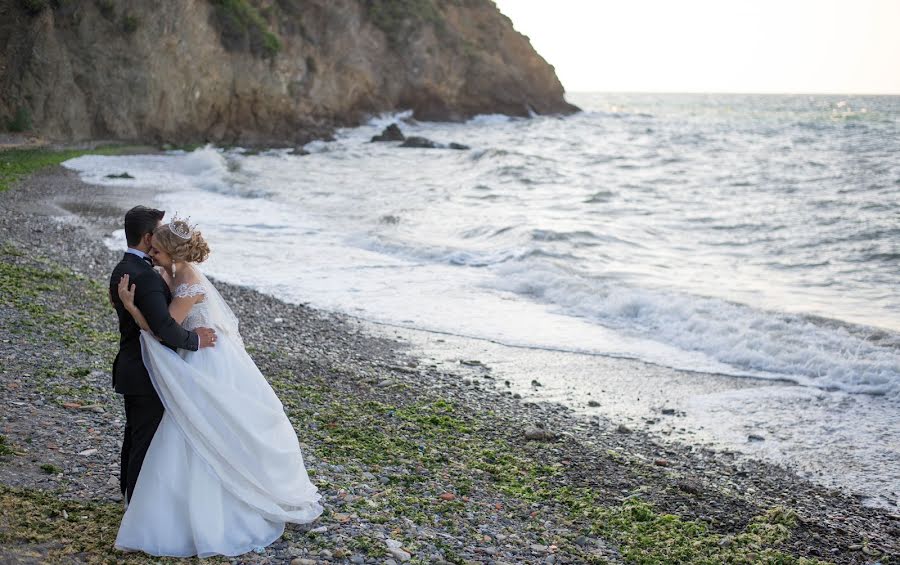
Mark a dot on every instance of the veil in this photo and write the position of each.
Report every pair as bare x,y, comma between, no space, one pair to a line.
221,316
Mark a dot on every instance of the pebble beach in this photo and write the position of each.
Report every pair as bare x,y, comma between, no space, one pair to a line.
417,462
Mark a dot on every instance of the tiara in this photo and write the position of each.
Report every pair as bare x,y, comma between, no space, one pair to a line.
184,229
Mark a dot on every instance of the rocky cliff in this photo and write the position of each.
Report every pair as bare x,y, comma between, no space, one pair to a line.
258,71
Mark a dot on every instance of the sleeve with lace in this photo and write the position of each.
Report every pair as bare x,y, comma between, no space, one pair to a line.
188,290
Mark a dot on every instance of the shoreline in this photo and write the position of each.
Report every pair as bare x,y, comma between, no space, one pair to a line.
382,382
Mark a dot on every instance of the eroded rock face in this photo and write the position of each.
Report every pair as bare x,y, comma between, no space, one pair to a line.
167,71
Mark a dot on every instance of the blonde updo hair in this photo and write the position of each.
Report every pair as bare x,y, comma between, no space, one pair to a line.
194,249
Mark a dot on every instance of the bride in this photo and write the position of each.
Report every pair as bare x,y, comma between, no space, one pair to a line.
224,472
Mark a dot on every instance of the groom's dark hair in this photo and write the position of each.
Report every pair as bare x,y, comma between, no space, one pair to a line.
140,221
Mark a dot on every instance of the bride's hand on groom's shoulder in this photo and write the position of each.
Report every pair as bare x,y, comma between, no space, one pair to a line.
126,292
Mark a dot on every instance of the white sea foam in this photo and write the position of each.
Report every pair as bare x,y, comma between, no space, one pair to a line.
490,119
657,269
384,120
206,169
762,343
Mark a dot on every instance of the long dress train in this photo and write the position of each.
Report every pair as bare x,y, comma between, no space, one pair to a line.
224,471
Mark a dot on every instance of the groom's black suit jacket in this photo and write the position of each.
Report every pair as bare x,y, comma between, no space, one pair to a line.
152,297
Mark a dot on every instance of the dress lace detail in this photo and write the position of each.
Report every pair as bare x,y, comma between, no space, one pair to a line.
199,314
197,317
187,290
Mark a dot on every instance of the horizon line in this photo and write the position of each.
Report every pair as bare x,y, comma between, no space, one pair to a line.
768,92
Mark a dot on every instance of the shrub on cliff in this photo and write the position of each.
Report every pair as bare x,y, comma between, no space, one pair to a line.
34,7
399,19
21,121
241,27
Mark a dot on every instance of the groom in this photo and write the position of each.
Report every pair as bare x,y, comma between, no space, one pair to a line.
143,409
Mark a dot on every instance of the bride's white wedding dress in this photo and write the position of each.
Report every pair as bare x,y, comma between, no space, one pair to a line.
224,471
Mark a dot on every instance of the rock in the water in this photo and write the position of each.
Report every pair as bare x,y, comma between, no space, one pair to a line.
419,142
425,143
390,133
754,437
120,176
593,403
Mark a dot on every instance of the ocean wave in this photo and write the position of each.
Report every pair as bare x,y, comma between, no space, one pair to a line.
382,121
761,343
206,168
489,119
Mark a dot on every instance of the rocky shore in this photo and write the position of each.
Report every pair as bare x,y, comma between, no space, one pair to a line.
416,463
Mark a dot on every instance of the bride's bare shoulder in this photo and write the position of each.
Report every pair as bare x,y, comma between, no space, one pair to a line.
188,283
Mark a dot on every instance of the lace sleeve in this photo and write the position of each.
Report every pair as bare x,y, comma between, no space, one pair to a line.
187,290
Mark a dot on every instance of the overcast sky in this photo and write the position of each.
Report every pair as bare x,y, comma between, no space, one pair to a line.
817,46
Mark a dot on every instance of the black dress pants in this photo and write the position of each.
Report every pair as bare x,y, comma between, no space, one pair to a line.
143,413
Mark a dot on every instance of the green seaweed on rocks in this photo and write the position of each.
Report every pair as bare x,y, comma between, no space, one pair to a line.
5,448
646,536
63,530
50,469
16,164
436,438
55,303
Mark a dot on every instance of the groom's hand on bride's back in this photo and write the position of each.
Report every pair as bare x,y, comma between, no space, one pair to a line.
207,337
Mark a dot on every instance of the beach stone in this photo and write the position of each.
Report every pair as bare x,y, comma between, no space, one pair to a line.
593,403
688,486
623,429
539,434
303,561
399,554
